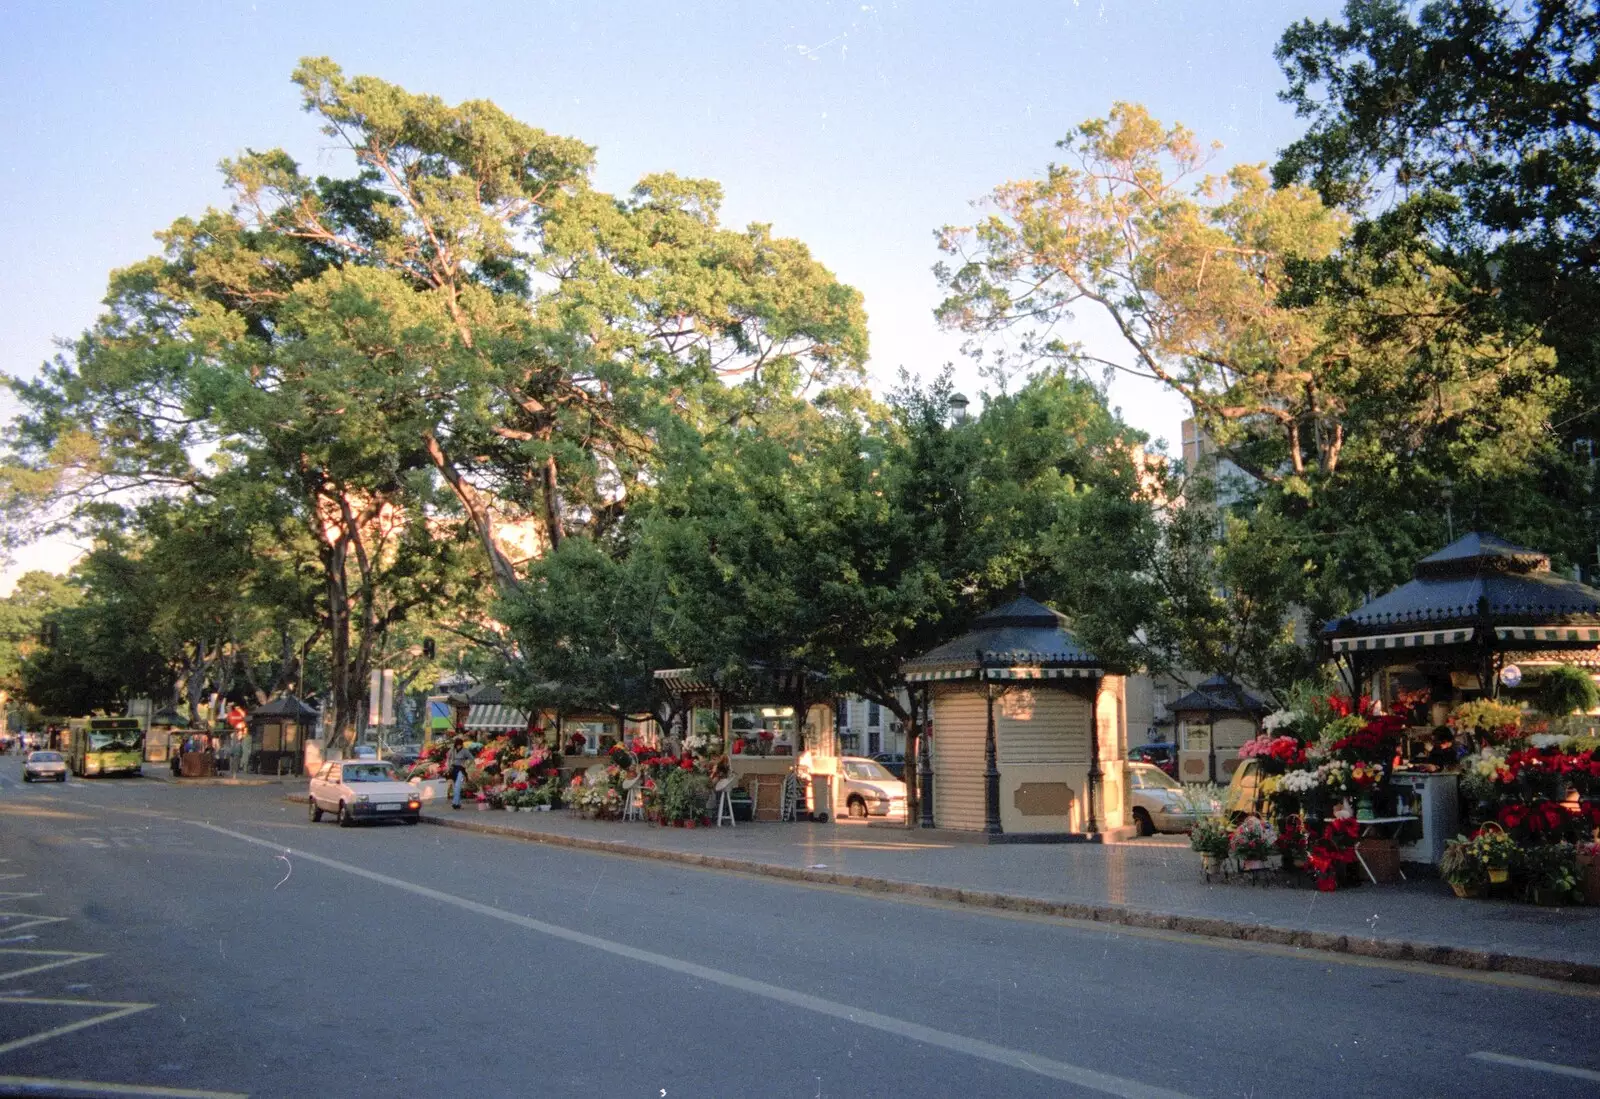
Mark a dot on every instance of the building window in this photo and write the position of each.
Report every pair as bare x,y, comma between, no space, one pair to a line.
874,742
874,715
841,714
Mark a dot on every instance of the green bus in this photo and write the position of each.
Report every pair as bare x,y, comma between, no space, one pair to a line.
105,745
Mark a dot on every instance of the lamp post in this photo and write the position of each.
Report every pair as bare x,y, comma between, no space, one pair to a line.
991,769
958,407
925,762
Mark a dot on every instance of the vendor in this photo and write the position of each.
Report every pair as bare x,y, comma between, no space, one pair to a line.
1443,755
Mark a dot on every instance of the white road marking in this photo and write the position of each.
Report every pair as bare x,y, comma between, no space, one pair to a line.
50,1085
1536,1066
25,919
1077,1075
120,1010
63,957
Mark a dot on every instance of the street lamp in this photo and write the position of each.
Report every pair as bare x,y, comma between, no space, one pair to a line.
958,407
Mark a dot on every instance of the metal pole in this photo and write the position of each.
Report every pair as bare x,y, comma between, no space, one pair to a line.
925,761
991,769
1094,755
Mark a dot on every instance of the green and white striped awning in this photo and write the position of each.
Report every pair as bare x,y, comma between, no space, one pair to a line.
939,675
1412,640
484,718
1583,634
1043,673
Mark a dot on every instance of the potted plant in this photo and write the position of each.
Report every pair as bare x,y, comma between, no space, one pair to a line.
1463,868
1253,842
1210,839
1497,850
1552,874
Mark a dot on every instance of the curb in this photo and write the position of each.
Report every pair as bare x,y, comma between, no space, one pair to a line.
1206,926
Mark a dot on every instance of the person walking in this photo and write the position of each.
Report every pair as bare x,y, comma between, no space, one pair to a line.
458,762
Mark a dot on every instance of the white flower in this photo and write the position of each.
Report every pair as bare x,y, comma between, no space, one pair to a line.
1298,782
1548,740
1279,720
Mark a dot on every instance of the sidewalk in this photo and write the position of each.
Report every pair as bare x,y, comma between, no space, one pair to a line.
1154,883
161,772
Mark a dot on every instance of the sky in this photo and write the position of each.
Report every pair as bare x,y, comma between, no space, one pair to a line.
858,128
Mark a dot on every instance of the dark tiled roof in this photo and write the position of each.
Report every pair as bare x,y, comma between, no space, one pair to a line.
1476,573
1220,695
1022,631
284,706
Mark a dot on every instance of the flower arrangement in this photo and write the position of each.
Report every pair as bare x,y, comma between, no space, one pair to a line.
1293,840
1494,847
1210,837
1333,849
1487,721
1300,782
1462,867
1253,840
1364,776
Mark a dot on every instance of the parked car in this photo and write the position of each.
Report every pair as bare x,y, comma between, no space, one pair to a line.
893,762
403,756
1159,801
365,751
1243,798
870,789
362,789
1164,756
42,765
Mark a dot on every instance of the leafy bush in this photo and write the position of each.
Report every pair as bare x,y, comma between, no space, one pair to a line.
1564,690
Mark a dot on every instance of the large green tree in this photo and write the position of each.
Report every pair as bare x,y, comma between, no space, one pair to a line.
1471,125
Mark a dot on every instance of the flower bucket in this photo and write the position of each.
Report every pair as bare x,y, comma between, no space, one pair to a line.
1499,875
691,823
1549,898
1589,878
1255,864
1467,892
483,806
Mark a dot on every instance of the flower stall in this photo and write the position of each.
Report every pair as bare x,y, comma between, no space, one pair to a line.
1333,796
755,723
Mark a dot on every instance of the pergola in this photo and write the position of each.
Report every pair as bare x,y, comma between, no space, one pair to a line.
1472,608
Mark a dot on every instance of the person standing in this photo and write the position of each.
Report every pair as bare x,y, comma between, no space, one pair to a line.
459,760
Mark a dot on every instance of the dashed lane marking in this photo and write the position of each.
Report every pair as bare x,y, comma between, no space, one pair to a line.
119,1010
1077,1075
19,896
54,1086
1536,1066
62,958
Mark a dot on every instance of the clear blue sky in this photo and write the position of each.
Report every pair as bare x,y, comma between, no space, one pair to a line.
857,127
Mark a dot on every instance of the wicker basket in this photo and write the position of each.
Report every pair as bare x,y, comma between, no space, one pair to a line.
1382,857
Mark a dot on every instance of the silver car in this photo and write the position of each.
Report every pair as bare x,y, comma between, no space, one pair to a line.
1159,801
870,789
44,766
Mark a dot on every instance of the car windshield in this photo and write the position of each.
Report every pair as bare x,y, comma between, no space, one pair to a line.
867,769
371,772
1153,778
45,757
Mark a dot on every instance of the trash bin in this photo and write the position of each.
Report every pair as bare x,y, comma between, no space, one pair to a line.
821,797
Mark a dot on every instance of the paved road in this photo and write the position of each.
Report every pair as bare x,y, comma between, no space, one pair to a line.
207,941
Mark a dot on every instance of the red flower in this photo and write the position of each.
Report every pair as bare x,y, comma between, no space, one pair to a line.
686,763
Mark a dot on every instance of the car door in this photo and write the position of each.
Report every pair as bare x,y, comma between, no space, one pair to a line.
322,787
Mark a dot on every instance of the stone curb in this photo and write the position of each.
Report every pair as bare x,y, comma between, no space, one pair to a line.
1209,927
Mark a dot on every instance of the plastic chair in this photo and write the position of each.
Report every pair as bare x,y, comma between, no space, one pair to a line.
632,800
725,802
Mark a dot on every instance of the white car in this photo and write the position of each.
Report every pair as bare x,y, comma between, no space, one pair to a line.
362,789
44,766
870,789
1160,803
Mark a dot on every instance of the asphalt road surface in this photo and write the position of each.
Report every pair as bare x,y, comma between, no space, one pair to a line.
164,940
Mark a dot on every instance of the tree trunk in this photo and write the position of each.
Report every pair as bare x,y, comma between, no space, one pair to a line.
477,509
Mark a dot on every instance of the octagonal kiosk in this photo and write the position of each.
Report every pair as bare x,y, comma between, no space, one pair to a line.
1029,730
1214,722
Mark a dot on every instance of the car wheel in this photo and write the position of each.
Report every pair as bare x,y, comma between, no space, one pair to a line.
316,813
61,778
1141,817
26,777
857,808
413,820
345,819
